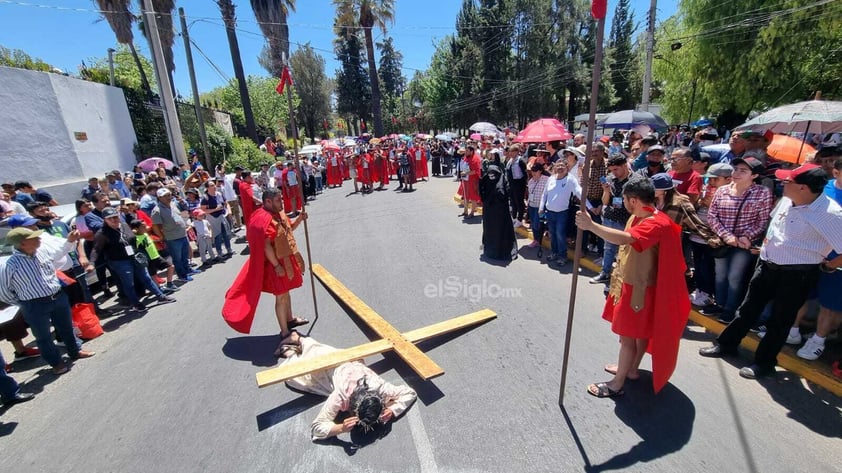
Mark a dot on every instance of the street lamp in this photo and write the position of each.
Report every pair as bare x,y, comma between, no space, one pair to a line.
693,96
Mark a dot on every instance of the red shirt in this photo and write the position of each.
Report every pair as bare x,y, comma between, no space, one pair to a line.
687,183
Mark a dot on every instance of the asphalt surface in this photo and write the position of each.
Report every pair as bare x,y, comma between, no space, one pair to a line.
174,390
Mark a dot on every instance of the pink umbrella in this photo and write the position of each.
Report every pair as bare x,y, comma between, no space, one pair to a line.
330,146
543,130
475,136
151,164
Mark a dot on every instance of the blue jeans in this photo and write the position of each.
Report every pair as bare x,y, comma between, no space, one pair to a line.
126,271
8,386
535,222
732,275
179,252
318,182
222,237
557,223
610,252
703,268
38,313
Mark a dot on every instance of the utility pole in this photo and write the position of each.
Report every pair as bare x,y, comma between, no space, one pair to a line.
164,87
196,103
111,66
650,51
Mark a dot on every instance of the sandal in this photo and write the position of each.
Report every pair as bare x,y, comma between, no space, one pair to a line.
297,322
611,368
286,351
602,390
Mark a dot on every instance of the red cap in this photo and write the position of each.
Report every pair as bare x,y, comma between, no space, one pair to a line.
791,174
198,212
605,139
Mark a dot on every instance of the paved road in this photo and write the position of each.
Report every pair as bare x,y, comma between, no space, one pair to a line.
174,390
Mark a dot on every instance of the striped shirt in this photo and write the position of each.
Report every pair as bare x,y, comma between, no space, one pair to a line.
31,277
803,234
536,190
753,216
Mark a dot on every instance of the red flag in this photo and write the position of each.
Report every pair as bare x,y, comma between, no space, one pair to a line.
286,79
599,9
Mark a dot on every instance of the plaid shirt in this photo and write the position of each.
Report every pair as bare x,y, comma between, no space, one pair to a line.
594,189
536,190
754,216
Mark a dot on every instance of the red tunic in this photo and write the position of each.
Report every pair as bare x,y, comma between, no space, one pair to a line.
666,306
256,275
246,200
420,163
334,170
470,188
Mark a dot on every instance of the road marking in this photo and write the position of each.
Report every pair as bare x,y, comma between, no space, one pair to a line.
426,458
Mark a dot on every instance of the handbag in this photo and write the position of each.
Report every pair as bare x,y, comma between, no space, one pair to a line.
85,319
724,250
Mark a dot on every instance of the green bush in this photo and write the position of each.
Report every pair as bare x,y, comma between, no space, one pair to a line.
246,154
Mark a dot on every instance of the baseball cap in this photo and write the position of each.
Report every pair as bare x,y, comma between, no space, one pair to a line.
18,235
754,164
109,212
198,212
805,174
701,156
21,220
605,139
656,148
162,192
128,201
649,140
662,181
719,170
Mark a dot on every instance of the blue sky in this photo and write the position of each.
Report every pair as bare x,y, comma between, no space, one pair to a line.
66,32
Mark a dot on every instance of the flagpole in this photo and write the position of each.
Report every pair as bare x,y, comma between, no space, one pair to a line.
597,72
286,77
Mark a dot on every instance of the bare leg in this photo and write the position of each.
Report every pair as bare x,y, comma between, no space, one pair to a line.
625,362
800,315
18,344
283,311
829,321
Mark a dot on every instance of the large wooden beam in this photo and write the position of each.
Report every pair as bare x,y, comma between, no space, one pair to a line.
298,368
425,367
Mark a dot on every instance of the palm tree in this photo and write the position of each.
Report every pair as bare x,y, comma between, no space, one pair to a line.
118,16
272,15
229,17
367,14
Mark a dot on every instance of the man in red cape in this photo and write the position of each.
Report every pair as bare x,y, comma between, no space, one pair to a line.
274,266
419,156
291,192
247,200
334,171
647,303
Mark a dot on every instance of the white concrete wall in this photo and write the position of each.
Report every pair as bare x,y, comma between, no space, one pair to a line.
39,113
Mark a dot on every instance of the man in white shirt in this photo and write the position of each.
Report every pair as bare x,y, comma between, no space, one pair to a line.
555,200
805,226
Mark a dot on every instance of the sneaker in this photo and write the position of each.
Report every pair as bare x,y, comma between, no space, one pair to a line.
28,352
194,271
166,290
533,244
165,299
186,279
592,248
552,257
811,350
518,224
726,318
711,310
172,287
758,329
795,340
600,278
700,298
138,308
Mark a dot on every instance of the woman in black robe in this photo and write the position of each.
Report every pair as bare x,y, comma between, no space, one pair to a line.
498,234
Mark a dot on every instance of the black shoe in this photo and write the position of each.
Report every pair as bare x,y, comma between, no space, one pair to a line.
165,299
138,308
717,351
711,310
756,371
19,398
600,278
726,319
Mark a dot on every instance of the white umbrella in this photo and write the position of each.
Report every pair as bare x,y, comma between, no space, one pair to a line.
310,149
484,127
817,116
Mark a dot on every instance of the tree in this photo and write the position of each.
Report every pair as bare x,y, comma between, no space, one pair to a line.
270,109
620,50
120,19
19,59
391,64
367,14
126,73
271,16
229,17
312,88
353,86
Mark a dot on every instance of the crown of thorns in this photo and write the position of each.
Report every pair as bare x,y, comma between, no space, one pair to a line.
366,426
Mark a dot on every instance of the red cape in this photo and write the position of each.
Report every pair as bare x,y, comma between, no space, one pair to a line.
243,295
246,200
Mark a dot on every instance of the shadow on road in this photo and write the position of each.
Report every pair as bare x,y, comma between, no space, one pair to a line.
257,349
6,428
663,422
287,410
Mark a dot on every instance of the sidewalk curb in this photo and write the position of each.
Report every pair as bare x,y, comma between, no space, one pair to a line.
817,373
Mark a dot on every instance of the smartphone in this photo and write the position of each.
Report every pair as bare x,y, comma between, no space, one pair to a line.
603,179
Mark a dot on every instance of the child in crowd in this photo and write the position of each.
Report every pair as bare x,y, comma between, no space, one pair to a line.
204,238
156,263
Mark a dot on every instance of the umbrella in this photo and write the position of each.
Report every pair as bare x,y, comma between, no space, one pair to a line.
331,147
151,164
789,149
444,137
702,123
543,130
817,116
450,134
423,136
374,141
626,119
484,126
475,136
587,116
310,149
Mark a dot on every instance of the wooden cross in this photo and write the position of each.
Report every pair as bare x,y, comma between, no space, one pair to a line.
401,343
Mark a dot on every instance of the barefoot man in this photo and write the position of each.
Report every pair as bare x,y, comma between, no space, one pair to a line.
274,266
